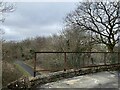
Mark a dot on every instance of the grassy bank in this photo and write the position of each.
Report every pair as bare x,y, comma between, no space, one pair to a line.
10,73
22,70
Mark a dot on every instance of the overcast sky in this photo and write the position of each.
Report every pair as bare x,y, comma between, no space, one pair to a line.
36,19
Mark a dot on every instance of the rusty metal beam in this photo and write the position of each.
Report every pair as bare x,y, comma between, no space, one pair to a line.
65,60
76,52
100,65
35,65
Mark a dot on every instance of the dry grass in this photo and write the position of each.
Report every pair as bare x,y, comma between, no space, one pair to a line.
10,73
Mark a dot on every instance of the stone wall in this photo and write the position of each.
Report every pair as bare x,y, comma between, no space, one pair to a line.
32,82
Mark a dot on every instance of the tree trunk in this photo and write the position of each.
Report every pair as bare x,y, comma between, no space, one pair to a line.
110,48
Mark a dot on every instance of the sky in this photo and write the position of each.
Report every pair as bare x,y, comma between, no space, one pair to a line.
31,19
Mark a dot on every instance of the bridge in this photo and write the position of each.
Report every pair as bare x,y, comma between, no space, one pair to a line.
86,63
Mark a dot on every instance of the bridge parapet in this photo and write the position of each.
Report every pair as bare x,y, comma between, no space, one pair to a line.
32,82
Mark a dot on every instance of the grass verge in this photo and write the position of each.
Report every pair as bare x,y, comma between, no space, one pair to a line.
22,70
31,64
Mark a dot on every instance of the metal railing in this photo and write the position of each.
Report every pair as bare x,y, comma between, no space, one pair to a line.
108,58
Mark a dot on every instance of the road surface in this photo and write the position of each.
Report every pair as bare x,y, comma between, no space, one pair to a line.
26,67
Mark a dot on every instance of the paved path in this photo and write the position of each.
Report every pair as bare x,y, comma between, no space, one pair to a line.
96,80
26,67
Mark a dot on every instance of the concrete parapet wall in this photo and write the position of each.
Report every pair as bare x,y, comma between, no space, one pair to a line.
32,82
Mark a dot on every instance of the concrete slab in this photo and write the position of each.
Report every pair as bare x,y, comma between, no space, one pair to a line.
96,80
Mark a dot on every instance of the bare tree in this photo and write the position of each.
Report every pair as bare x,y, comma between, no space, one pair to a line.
5,8
100,18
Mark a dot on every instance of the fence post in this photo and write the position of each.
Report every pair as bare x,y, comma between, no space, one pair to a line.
35,66
105,58
118,57
65,61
